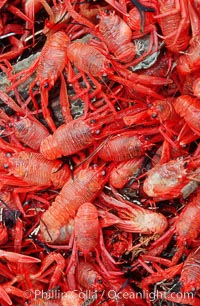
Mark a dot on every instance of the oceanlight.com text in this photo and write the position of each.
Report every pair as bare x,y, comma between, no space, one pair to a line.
110,294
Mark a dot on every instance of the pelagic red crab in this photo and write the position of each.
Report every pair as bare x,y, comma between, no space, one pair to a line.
99,152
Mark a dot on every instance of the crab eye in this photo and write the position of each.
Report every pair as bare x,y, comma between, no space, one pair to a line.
185,164
103,173
154,115
184,146
46,85
92,121
107,11
98,132
5,166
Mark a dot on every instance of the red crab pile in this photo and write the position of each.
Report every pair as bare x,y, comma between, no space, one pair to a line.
100,154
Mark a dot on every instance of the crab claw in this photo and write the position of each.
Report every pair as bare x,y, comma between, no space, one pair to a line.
47,262
6,289
15,257
4,296
118,7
